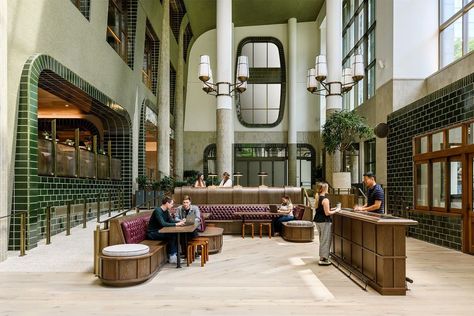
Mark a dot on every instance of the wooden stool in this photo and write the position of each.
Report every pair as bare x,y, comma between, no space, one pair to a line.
206,247
243,229
269,225
192,248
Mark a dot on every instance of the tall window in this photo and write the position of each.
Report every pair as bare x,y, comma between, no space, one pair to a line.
439,173
369,156
151,143
358,37
117,35
456,29
83,6
150,58
262,104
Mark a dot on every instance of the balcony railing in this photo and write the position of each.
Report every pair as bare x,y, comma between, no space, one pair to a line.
70,161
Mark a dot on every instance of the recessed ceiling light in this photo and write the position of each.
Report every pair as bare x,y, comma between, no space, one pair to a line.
66,105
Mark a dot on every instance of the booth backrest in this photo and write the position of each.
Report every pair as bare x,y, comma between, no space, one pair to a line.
243,195
128,229
134,230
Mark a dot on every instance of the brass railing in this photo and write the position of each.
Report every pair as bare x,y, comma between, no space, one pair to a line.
22,229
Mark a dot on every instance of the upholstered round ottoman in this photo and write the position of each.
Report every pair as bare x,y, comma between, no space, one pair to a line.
298,231
125,250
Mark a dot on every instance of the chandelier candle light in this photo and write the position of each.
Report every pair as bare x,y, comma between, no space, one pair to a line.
223,88
350,77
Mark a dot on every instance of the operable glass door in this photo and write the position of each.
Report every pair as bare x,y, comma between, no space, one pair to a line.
469,235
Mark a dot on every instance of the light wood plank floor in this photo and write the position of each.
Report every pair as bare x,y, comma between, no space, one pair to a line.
250,277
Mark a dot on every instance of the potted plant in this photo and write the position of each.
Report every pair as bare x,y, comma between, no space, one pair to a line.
167,185
142,181
341,130
155,185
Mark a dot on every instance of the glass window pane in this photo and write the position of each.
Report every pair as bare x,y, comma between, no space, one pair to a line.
451,43
455,137
437,141
455,184
273,116
421,145
439,198
360,24
371,82
422,184
260,55
273,56
470,133
260,96
247,50
360,92
274,91
351,35
470,30
246,98
448,8
371,48
247,116
346,13
371,12
260,117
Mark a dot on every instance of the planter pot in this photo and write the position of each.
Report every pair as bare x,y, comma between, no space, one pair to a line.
139,197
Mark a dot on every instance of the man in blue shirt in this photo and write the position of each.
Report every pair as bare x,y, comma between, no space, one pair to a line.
375,196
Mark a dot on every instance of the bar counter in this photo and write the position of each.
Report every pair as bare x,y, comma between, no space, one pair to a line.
372,247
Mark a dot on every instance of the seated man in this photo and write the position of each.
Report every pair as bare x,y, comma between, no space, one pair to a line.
183,211
160,218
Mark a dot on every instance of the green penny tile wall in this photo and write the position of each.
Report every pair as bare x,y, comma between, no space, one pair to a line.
33,193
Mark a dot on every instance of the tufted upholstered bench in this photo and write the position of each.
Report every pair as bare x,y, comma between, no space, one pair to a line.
298,230
124,270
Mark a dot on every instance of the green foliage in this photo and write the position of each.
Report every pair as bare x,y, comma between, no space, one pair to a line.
142,182
179,183
155,185
342,129
167,184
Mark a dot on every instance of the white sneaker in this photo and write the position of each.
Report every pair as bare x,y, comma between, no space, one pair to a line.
173,259
324,262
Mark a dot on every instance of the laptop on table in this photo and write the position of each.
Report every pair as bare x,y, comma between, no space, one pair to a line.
273,208
190,219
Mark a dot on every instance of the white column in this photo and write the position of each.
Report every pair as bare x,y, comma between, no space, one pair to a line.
179,115
292,133
334,62
334,53
225,128
4,152
164,95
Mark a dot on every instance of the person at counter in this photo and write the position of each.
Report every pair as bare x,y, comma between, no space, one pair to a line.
226,182
160,218
375,196
323,222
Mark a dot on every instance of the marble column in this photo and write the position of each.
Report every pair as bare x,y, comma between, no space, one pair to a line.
179,115
334,62
5,185
292,119
164,94
225,127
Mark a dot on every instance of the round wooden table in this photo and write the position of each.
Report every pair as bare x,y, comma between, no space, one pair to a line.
215,238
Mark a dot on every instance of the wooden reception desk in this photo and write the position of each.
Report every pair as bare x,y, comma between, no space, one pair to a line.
372,247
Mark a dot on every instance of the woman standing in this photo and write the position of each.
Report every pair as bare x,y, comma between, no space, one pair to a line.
286,208
323,222
200,183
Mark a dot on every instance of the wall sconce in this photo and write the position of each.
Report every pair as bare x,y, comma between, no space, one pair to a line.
350,77
223,88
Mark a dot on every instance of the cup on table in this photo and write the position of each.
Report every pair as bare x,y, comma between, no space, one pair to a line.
338,206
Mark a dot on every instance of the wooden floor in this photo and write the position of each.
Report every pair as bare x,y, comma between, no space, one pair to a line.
250,277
